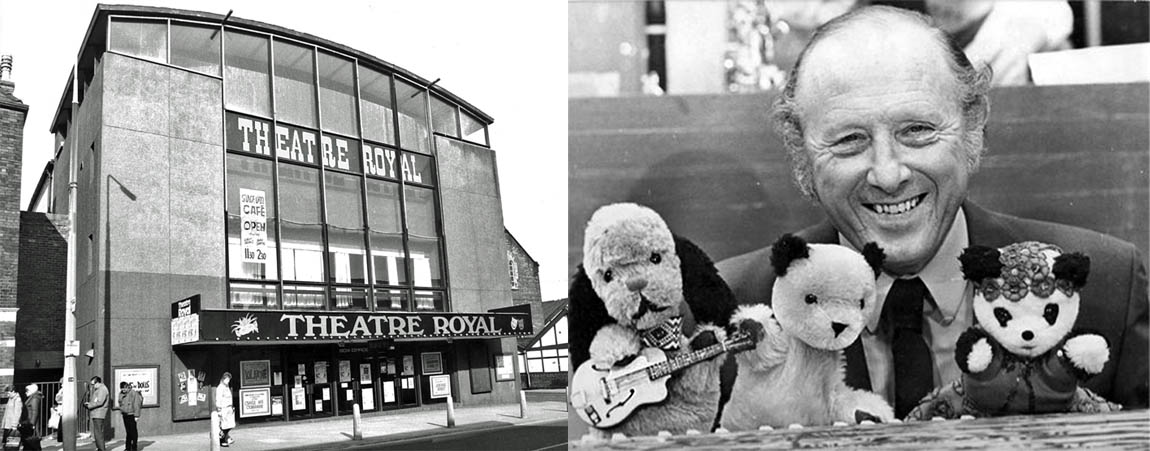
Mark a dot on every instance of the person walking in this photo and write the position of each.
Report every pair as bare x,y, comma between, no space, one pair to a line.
131,402
55,424
29,437
225,410
12,413
97,405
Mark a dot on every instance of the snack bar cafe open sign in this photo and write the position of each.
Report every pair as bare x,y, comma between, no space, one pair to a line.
243,326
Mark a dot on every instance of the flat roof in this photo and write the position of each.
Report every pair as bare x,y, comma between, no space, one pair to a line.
93,44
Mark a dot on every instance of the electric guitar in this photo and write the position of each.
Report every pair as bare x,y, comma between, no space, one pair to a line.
605,396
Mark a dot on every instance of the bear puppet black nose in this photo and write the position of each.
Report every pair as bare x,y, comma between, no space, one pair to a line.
636,284
1027,335
838,328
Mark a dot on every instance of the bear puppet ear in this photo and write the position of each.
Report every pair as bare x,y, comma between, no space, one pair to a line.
874,257
980,262
1073,267
786,250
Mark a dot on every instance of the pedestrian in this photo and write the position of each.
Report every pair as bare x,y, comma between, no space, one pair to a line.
55,420
97,405
29,438
225,410
131,402
12,412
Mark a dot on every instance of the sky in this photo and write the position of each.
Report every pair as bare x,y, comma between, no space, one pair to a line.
506,57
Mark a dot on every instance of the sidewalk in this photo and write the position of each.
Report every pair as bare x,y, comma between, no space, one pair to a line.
381,427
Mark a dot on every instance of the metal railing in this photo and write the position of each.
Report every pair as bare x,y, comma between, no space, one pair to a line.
49,390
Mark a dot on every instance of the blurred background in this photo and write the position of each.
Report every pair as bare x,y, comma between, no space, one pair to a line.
669,104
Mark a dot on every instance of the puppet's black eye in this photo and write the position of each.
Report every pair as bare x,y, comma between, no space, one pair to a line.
811,299
1002,315
862,304
607,276
656,258
1051,313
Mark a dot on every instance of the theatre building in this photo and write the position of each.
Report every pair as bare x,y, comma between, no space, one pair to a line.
320,223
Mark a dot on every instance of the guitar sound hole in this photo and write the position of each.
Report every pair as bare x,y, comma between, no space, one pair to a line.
630,394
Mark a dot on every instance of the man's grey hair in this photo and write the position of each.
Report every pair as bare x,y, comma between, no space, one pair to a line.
974,84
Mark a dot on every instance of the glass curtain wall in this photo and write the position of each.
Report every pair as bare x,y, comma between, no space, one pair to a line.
358,236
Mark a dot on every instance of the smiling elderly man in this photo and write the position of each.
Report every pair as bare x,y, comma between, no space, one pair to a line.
883,118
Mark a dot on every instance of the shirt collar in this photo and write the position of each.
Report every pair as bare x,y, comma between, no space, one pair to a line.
942,275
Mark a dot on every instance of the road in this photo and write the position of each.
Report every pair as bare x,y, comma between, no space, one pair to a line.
494,435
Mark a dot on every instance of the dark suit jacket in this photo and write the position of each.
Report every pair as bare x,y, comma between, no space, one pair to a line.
1114,301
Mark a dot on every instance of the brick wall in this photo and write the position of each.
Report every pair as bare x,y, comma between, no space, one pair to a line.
42,285
528,291
12,115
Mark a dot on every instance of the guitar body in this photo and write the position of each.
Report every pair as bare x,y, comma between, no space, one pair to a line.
604,404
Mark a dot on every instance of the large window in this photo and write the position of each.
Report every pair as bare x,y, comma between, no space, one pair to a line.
548,354
246,77
196,47
337,94
295,83
252,177
473,129
144,38
346,256
423,237
386,226
302,225
376,106
443,117
412,103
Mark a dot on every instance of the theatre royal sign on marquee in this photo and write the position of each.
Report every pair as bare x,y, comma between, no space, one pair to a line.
232,326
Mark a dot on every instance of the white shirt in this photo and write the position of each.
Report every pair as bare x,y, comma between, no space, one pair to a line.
944,319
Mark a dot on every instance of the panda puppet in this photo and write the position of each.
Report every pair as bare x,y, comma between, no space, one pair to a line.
637,289
1023,356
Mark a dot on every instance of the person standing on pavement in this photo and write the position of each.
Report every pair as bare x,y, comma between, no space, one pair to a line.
32,402
59,400
225,410
12,413
131,402
97,405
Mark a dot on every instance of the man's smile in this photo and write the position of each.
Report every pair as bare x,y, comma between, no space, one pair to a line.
896,208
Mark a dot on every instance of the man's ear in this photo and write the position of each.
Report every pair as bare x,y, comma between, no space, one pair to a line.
786,250
874,257
1073,267
980,262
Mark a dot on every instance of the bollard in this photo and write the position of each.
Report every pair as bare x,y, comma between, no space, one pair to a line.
450,411
215,431
356,430
522,404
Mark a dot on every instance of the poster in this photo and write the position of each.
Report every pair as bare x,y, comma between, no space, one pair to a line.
368,399
191,390
301,369
408,365
253,232
349,394
388,391
431,362
390,367
255,373
327,394
255,402
318,406
365,374
277,405
345,370
504,371
298,399
277,378
299,381
321,372
440,386
143,379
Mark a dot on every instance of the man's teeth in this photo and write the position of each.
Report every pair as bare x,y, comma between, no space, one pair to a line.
894,209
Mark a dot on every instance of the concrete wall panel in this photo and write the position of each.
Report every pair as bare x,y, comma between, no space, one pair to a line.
135,94
136,174
196,108
197,209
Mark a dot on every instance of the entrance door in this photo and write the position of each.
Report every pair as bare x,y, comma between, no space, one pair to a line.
408,390
347,386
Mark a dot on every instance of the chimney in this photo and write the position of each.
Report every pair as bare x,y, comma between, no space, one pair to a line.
6,84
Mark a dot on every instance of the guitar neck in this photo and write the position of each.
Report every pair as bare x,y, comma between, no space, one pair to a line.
685,360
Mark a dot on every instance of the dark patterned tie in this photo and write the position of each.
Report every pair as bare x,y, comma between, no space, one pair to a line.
913,370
